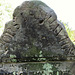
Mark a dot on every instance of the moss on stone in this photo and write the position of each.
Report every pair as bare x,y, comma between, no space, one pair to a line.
33,51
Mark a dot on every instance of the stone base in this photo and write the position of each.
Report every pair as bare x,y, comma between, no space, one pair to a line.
38,68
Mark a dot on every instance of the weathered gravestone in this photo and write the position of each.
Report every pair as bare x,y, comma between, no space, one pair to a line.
35,34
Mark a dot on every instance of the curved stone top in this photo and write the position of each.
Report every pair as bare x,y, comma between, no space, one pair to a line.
35,32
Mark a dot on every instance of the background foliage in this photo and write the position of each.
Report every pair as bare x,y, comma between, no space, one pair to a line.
69,31
6,11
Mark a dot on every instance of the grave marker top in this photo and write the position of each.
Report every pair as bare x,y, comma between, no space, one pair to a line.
34,32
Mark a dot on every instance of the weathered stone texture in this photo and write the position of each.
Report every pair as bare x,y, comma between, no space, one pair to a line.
35,32
35,28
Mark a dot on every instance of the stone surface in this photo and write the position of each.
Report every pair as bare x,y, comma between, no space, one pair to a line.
34,68
35,34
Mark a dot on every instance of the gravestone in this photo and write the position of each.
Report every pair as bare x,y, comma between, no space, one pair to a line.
34,35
